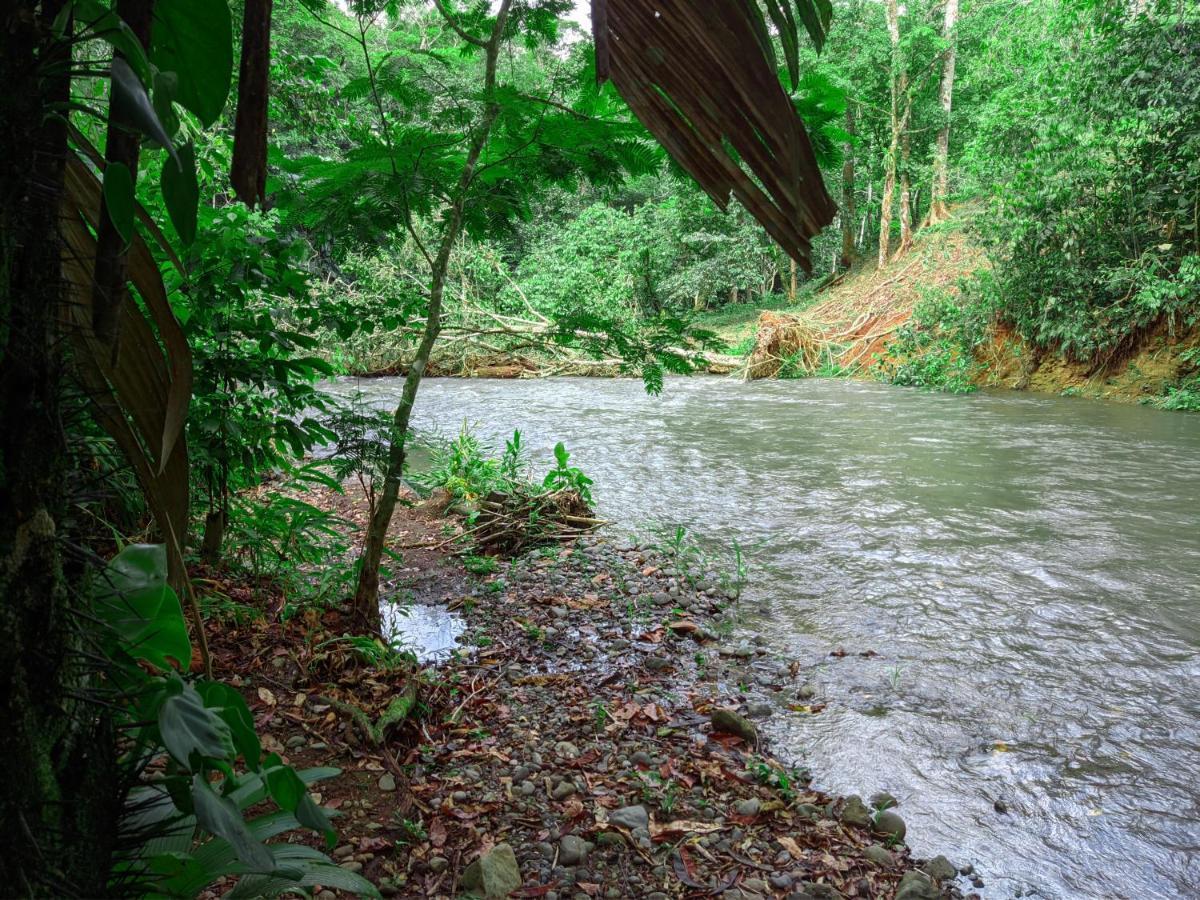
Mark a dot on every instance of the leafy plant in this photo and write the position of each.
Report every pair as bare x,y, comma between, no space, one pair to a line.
279,537
564,475
186,819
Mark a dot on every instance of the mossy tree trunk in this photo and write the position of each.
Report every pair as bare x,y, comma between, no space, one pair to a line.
59,798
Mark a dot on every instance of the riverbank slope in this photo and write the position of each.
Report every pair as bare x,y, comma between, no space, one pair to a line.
911,322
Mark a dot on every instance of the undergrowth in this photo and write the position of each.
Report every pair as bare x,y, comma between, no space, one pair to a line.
1184,395
936,348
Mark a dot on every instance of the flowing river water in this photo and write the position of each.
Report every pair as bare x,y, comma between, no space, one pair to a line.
1026,568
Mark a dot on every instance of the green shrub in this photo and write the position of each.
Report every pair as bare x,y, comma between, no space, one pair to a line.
186,826
936,348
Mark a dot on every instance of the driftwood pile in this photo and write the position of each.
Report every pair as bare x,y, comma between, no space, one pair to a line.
509,523
784,340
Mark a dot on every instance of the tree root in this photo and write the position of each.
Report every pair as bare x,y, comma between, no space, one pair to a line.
396,712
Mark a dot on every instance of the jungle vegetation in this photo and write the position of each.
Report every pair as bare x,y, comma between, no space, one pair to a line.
207,208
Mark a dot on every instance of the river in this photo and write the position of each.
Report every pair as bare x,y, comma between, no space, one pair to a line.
1026,568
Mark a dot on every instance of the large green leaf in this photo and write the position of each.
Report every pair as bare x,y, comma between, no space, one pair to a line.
187,726
232,708
133,597
118,198
181,192
220,816
312,867
194,39
132,105
289,791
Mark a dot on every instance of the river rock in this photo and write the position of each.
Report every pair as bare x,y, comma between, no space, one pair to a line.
748,807
572,850
916,886
495,874
940,869
883,800
387,782
880,855
564,790
815,890
566,750
631,817
728,721
760,710
890,823
855,812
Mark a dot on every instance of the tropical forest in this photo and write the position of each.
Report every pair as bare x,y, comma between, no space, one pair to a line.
595,450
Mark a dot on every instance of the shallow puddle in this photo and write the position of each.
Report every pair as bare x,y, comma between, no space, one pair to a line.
429,632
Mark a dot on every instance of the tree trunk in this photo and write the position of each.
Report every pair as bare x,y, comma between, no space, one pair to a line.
366,595
214,536
939,209
906,213
847,211
248,170
889,178
60,799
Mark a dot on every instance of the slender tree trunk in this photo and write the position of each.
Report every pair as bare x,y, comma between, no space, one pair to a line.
366,595
59,800
939,209
862,232
906,213
214,536
847,211
248,170
889,178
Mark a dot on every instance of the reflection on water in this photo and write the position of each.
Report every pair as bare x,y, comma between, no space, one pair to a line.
1026,568
427,631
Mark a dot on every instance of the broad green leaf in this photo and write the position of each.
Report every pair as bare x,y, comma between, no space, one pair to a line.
311,868
289,791
118,198
194,39
232,708
220,816
131,104
133,598
187,726
181,192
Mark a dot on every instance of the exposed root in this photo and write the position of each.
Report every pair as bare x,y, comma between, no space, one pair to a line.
784,340
396,712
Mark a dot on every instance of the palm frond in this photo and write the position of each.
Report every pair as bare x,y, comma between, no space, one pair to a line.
701,77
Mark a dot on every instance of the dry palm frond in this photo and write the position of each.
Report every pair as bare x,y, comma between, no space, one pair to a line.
701,77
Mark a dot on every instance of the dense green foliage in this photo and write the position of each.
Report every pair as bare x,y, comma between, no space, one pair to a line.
447,183
1094,224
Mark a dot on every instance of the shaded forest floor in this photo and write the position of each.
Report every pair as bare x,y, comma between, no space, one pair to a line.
588,737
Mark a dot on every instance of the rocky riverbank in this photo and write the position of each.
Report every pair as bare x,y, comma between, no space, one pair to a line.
589,738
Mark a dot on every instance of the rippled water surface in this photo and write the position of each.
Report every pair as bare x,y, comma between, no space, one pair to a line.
1026,568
